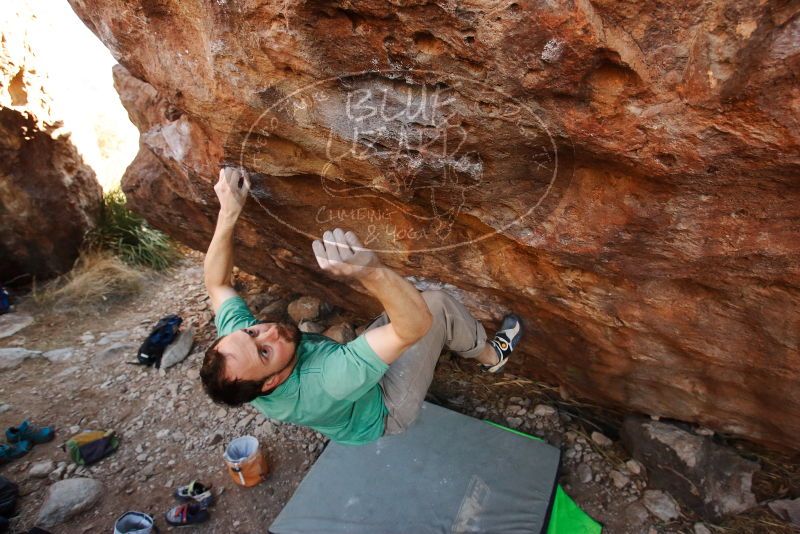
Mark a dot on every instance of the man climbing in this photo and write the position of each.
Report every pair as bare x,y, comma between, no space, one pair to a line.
355,392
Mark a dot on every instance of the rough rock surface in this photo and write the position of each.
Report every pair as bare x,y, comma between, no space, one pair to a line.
710,479
48,197
11,323
787,509
11,357
67,498
623,176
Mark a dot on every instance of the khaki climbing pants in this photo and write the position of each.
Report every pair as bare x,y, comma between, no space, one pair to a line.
406,382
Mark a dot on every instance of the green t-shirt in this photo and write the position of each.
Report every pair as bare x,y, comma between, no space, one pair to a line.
333,387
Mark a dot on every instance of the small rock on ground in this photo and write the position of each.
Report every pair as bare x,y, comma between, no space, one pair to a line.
585,474
601,439
661,505
11,323
311,327
788,509
59,355
304,309
115,354
179,349
41,469
13,356
342,333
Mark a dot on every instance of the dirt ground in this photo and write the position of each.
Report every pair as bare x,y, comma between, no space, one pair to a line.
171,433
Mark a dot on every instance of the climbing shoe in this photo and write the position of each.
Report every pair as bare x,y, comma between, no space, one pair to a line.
28,432
14,451
504,341
186,514
197,492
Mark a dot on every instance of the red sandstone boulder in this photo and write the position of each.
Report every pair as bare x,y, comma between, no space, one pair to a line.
626,177
49,198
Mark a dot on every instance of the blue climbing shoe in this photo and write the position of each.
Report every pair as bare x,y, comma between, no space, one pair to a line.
12,452
505,340
27,432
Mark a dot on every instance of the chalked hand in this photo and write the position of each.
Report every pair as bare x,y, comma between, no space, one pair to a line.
232,189
341,253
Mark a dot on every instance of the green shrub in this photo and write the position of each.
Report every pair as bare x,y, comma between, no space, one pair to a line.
129,237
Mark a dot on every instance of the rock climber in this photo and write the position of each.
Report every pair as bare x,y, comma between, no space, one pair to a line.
352,393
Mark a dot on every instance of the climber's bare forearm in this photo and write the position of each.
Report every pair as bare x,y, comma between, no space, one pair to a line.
407,311
218,264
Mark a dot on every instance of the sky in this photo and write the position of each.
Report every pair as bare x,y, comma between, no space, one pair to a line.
77,70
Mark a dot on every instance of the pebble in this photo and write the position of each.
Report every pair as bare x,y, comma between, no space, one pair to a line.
584,473
633,467
601,439
619,480
41,469
245,421
514,422
661,505
542,410
311,327
58,472
304,309
341,333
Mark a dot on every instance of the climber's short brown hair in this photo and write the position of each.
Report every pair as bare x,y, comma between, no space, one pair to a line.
222,390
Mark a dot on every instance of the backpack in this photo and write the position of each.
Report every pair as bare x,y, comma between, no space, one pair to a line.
8,497
162,334
90,447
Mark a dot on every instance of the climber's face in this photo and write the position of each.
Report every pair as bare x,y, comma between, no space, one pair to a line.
264,351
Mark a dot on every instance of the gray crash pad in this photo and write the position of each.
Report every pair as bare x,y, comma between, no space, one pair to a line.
447,473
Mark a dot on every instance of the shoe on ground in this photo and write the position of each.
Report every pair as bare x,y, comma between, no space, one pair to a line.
195,492
12,451
186,514
504,342
27,432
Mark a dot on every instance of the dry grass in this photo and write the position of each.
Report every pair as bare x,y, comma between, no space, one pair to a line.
98,279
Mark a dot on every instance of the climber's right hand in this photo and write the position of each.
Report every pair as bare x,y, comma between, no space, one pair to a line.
232,189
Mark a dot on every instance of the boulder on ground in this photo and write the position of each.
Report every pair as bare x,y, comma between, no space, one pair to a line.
67,498
710,479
